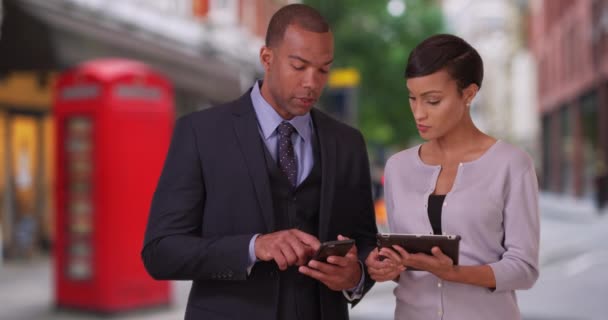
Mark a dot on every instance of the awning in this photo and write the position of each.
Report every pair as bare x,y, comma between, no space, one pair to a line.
46,35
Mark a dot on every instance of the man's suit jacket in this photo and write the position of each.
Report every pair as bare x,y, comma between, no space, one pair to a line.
214,195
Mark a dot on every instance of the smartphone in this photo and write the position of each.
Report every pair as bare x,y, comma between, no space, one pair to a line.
333,248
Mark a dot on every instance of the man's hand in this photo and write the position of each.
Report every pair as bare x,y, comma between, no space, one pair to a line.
339,273
382,270
286,248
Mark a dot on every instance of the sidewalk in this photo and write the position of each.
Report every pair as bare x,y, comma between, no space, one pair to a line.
26,292
566,208
573,282
570,229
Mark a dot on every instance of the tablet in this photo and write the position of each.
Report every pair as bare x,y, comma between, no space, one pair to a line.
422,243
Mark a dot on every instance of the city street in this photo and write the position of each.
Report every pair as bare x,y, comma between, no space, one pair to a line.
118,128
573,284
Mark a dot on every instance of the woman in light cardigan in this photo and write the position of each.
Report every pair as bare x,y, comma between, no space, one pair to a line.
460,181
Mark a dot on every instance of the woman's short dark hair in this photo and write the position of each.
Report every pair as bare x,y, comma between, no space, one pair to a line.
449,52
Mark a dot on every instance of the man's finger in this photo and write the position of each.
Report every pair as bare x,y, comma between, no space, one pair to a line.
289,253
353,251
303,253
300,249
339,261
279,259
306,238
324,267
315,274
352,254
341,237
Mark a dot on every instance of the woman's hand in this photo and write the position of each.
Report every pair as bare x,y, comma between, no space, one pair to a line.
384,270
438,264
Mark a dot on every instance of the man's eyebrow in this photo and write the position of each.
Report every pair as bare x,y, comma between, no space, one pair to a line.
306,61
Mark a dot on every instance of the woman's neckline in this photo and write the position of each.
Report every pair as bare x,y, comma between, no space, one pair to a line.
481,157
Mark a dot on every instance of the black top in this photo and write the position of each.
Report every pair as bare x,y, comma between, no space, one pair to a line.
434,210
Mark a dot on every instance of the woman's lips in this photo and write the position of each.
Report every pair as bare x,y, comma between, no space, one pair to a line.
422,128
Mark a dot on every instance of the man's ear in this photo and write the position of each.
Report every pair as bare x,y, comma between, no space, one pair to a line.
266,56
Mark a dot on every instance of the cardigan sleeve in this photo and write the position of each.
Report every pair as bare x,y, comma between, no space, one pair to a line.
518,267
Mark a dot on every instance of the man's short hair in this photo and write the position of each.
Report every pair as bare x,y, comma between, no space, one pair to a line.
301,15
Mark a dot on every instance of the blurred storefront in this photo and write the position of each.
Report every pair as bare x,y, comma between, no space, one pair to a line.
25,164
208,49
570,43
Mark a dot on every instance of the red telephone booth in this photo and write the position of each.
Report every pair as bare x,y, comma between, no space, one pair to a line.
114,120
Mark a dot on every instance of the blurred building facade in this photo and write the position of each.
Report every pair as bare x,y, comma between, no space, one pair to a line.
570,43
506,105
207,48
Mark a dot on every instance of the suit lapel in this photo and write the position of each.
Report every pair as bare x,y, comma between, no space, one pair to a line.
248,136
327,148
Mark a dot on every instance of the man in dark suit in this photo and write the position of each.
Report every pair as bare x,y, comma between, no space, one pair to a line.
250,188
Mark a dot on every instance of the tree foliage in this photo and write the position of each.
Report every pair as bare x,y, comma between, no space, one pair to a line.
369,39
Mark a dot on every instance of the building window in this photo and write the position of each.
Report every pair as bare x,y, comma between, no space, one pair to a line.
566,151
592,166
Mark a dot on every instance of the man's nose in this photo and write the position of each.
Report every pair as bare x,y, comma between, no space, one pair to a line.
312,79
